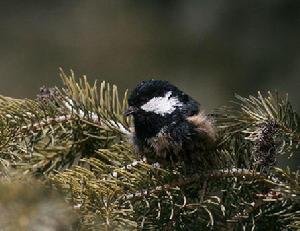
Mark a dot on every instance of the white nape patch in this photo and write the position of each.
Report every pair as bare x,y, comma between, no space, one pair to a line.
162,105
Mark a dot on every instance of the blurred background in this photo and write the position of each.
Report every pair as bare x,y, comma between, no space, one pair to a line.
211,49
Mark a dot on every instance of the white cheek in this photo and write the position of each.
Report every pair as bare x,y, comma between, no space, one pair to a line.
162,105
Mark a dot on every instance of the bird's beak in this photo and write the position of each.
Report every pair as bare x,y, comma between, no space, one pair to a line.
130,110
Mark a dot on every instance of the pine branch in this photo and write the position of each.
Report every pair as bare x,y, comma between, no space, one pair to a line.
270,124
78,139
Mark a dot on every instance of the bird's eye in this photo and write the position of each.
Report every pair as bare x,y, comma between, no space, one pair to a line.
143,99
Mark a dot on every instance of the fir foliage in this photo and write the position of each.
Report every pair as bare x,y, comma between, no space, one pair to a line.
77,140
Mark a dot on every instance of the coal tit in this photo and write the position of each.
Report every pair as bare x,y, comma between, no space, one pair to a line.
169,127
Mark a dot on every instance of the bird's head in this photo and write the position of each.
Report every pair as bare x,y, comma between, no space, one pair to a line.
155,97
157,103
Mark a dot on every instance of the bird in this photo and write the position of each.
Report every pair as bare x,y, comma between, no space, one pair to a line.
168,126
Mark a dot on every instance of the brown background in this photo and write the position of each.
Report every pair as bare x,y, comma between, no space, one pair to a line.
211,49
